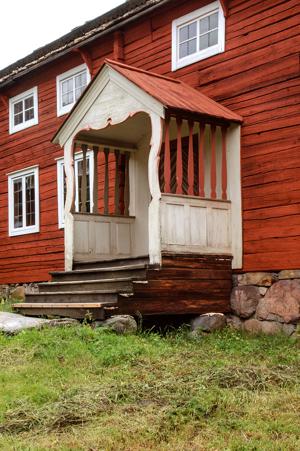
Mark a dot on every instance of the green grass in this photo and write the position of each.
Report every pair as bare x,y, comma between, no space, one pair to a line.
82,389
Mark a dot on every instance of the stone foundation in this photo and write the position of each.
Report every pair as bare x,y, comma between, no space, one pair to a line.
16,291
265,302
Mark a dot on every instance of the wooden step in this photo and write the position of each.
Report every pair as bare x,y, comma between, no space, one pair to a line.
144,260
123,284
74,296
137,271
78,310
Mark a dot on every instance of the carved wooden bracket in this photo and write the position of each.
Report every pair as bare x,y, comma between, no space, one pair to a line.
224,4
4,100
118,46
86,58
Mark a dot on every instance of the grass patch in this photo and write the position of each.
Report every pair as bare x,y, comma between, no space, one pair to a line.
77,388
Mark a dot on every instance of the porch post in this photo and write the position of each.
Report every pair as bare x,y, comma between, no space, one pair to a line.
153,175
69,204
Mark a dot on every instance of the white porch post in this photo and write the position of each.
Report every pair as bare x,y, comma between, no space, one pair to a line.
153,175
69,204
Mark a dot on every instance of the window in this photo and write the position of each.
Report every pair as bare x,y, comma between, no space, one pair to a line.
23,201
61,185
198,35
23,110
70,86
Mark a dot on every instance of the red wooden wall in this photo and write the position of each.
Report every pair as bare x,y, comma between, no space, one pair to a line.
257,76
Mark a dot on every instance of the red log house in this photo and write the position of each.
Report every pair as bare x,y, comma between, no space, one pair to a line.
151,152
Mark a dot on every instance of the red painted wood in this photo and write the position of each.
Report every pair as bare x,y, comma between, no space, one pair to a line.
201,160
118,44
106,182
167,160
224,163
191,160
179,157
213,164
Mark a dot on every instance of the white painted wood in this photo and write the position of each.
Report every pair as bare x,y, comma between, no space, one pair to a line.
70,201
153,175
190,224
99,237
235,193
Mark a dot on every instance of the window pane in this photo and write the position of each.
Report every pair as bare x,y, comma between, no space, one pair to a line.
30,200
29,114
18,119
28,103
80,80
204,24
67,86
213,21
67,99
187,48
18,204
79,184
18,107
204,42
213,38
188,32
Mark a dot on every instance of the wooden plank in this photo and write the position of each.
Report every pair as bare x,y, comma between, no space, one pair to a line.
191,159
167,160
179,157
213,164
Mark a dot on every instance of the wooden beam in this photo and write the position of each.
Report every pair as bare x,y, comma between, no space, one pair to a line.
111,144
179,157
83,179
117,183
118,46
201,159
191,160
106,182
213,167
95,187
224,163
224,4
167,161
4,100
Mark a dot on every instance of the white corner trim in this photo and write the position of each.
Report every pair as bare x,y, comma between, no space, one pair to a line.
178,63
60,78
12,231
25,124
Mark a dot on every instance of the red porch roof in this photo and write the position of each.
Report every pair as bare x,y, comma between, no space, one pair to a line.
173,93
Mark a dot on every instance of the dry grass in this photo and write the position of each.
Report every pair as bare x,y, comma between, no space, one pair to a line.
83,389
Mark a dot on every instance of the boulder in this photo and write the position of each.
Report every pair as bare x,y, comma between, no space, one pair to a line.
244,300
281,303
13,323
289,329
289,274
121,324
18,293
209,322
263,279
234,322
254,326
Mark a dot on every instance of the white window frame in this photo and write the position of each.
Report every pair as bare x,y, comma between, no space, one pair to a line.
200,13
33,170
60,78
25,124
60,185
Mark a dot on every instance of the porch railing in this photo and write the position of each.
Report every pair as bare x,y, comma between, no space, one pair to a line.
194,163
110,181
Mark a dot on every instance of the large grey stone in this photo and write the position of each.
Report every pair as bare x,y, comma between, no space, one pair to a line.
262,279
13,323
208,322
281,303
244,300
254,326
234,322
289,274
121,324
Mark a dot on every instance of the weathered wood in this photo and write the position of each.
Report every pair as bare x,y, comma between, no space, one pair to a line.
179,158
95,188
191,160
167,159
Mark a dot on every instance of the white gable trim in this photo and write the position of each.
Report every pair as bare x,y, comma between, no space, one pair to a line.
107,75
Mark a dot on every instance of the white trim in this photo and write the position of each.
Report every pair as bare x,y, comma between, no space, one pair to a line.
25,124
200,54
60,78
33,170
60,184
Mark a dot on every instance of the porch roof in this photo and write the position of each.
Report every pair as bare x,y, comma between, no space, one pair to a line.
173,93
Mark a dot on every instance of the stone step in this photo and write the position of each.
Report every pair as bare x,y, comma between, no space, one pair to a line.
78,310
137,271
123,284
109,263
106,296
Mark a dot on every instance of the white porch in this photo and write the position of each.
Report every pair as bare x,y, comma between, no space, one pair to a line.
164,179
